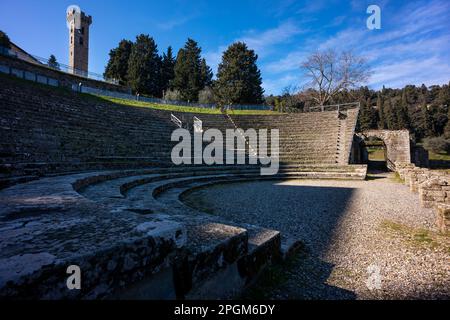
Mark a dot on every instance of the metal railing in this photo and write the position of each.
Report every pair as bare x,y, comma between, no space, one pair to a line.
68,69
198,125
44,62
175,120
202,105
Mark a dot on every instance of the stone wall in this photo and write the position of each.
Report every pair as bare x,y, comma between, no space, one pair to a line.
64,79
397,144
433,188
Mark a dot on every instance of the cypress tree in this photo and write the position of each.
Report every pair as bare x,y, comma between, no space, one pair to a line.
53,63
238,77
167,70
144,67
188,78
117,67
206,74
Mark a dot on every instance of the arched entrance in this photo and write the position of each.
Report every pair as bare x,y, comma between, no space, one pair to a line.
375,153
383,146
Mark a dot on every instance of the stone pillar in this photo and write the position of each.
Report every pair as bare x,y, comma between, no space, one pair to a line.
443,218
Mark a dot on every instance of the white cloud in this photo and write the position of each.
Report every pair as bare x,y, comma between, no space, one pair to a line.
291,62
413,46
413,71
175,22
275,86
261,41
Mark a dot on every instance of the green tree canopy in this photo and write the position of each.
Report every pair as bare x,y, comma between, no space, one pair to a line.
189,79
117,67
167,70
53,63
238,77
144,67
206,74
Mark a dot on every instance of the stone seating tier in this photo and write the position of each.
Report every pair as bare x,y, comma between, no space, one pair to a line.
46,130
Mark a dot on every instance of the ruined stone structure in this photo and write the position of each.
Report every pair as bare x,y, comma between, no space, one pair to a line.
79,41
433,188
397,144
90,183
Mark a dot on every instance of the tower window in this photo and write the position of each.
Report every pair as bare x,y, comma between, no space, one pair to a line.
82,30
81,41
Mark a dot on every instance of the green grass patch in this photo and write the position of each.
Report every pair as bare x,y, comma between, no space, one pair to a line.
174,108
67,92
439,156
418,238
397,179
376,154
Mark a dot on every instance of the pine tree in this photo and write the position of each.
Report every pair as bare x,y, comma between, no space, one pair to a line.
167,70
53,63
117,67
188,74
238,77
180,81
144,67
206,74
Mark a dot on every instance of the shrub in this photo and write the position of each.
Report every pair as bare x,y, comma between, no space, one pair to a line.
437,144
206,96
172,95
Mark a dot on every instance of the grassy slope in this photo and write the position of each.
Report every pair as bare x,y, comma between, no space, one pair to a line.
132,103
143,104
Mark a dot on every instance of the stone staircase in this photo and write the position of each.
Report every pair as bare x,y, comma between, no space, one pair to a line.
347,124
46,131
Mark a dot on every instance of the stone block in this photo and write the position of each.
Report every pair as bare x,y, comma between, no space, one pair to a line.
443,218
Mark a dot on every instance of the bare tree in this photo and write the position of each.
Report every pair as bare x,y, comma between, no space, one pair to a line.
330,72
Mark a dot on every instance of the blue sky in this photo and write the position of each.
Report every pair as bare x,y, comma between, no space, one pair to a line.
412,47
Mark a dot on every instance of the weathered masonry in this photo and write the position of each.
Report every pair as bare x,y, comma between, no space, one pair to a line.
399,148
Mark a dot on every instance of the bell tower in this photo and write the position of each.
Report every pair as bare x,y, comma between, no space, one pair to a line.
78,23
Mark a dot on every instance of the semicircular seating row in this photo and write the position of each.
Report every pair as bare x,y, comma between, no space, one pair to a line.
106,222
48,130
126,228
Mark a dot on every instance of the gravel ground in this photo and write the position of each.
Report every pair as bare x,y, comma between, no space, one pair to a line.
351,229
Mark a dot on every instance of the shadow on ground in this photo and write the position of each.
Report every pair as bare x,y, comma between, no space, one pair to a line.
307,213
